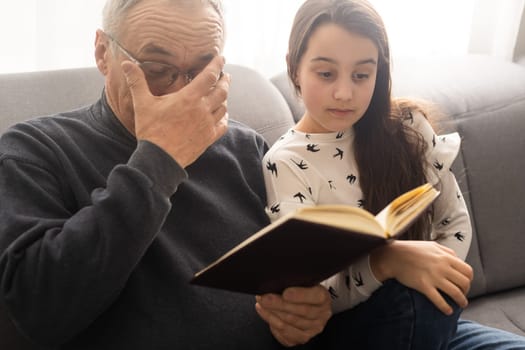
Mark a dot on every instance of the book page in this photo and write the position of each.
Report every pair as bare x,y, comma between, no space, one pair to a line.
403,210
345,217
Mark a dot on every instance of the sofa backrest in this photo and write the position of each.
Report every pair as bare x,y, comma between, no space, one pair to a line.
25,95
253,99
483,98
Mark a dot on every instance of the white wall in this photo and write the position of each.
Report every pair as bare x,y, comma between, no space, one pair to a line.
54,34
47,34
496,28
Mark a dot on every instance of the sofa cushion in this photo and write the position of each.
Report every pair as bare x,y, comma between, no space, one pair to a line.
502,310
493,146
255,101
25,95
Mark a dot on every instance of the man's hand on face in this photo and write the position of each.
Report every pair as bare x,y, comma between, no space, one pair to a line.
186,122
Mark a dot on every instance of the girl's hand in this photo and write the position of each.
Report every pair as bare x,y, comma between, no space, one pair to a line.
296,316
427,267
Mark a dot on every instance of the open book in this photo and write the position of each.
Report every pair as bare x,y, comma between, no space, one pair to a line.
311,244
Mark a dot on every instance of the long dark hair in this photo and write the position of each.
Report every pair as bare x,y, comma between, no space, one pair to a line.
390,154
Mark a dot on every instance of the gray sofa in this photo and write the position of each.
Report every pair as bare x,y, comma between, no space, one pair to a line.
482,97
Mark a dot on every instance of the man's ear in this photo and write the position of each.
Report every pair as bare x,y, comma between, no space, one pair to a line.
101,51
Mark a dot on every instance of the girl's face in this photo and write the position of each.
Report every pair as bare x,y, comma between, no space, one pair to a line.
337,76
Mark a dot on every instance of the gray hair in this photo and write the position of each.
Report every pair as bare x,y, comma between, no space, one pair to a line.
116,10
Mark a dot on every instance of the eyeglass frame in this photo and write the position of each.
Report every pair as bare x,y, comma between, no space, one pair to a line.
174,70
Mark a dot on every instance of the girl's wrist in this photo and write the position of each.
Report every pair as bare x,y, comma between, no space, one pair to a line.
379,264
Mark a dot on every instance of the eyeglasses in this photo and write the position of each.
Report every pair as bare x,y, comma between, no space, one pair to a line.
160,76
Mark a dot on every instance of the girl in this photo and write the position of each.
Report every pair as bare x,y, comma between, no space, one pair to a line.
355,145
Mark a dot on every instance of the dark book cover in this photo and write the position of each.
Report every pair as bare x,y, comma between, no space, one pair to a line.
296,253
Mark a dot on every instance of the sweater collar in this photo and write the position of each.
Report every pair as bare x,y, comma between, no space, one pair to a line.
110,124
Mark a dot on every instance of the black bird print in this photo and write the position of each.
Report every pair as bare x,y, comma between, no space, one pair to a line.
351,179
340,134
434,140
445,222
332,292
302,165
339,153
361,203
310,190
272,167
300,196
459,236
308,136
358,280
312,147
458,195
331,184
438,165
275,208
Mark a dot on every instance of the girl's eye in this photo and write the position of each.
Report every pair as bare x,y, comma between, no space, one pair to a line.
360,76
325,75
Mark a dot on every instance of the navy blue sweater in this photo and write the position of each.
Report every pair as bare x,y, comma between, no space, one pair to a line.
99,235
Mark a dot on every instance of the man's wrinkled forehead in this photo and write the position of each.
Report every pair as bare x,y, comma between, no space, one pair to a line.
185,9
183,4
170,28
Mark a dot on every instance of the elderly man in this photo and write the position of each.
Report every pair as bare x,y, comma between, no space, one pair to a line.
112,208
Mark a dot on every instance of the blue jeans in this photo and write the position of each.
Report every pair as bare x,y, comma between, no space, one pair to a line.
473,336
399,318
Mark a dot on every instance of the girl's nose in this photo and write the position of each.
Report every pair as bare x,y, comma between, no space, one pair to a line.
344,90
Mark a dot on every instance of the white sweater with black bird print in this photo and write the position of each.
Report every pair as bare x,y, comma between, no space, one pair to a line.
309,169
